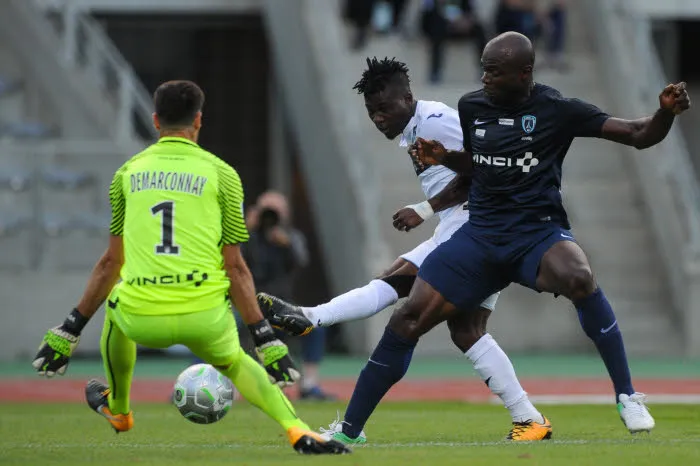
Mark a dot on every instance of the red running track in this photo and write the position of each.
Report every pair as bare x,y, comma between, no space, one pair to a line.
471,390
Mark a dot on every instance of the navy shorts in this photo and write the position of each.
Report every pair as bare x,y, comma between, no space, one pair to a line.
471,266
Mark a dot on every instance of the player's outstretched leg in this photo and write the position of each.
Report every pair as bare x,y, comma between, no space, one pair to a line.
468,331
284,315
358,303
252,382
564,269
119,358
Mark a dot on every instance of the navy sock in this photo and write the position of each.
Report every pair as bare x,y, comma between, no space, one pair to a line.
599,323
387,365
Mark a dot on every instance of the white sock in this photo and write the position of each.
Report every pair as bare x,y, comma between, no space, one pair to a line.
359,303
493,365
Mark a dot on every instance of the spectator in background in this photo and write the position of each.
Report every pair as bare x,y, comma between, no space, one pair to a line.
360,13
274,253
519,16
398,7
449,19
553,14
537,19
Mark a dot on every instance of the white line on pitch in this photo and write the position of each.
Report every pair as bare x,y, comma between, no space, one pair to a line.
639,440
661,398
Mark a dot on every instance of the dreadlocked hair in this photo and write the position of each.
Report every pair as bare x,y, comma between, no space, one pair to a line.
379,73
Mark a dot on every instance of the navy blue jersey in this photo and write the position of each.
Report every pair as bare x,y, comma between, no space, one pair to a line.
518,154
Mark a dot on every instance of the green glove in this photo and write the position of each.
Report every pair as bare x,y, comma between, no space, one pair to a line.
274,355
58,346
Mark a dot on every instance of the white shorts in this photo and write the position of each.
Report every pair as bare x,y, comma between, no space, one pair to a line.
443,232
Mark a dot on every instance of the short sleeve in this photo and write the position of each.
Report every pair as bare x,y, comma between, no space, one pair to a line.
465,117
117,202
233,228
444,127
585,120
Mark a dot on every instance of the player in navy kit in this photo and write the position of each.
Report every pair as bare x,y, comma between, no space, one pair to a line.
516,134
396,113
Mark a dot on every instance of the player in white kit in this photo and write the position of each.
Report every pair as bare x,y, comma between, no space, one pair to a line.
394,111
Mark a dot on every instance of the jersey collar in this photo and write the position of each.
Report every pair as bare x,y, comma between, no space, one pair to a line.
177,139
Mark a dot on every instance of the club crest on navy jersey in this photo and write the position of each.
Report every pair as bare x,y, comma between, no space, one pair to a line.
529,122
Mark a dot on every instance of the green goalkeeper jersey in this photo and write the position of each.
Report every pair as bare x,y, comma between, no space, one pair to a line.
175,205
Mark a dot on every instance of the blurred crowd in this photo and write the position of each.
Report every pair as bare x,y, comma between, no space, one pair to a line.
442,21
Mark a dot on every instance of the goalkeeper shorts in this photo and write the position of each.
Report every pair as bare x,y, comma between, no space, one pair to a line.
211,335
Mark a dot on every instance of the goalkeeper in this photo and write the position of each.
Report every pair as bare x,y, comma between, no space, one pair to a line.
176,229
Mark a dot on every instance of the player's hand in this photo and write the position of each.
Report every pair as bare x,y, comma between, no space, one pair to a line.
279,365
55,351
274,355
429,152
675,98
413,153
406,219
58,345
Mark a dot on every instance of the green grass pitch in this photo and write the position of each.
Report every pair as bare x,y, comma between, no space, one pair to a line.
399,434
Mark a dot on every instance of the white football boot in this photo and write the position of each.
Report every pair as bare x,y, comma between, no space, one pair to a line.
634,413
335,432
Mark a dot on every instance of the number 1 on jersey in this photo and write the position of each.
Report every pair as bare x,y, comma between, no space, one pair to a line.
166,233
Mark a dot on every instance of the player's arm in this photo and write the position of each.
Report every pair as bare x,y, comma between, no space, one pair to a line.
456,192
104,276
649,131
430,152
427,150
59,342
458,161
241,288
272,352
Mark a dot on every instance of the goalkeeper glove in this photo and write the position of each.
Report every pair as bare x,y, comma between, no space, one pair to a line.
58,345
274,355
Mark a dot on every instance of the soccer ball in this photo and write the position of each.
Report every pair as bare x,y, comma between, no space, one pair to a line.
202,394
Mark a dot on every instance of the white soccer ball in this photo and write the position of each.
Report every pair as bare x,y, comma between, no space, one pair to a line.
202,394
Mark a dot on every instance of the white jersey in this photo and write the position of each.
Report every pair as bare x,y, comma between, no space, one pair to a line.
437,121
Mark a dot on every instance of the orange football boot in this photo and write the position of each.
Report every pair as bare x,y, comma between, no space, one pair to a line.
97,395
529,431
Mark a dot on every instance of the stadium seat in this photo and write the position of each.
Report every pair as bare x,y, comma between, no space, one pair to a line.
73,242
16,180
93,223
67,179
27,130
16,241
9,86
68,191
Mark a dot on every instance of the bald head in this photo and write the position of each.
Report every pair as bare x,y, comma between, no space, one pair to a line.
512,48
508,61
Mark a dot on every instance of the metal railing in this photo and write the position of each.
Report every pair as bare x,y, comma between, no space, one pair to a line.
86,46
